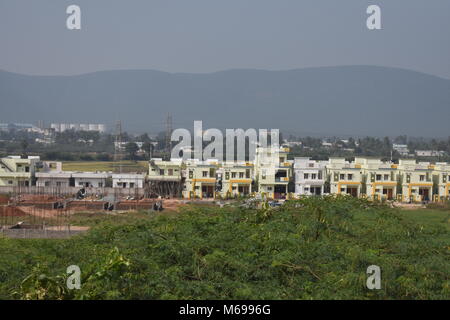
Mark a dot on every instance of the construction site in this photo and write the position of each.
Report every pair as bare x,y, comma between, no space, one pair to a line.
28,212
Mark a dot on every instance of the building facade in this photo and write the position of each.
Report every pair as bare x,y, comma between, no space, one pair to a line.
17,171
310,176
274,172
345,177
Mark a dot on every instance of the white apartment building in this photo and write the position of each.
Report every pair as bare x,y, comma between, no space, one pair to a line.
90,179
310,176
128,180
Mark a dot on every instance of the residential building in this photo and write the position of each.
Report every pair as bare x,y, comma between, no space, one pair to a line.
402,149
128,180
51,175
90,179
273,172
417,180
200,180
429,153
61,127
380,179
345,177
310,176
166,178
17,171
442,173
235,179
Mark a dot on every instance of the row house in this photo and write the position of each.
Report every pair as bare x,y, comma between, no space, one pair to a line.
235,179
416,180
442,173
200,181
274,172
17,171
310,176
345,177
380,179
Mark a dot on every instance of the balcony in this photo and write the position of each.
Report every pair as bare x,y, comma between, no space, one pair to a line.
282,179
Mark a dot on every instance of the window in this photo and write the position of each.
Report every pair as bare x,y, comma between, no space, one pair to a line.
378,177
422,177
247,173
131,184
311,165
306,176
100,184
241,175
320,175
197,187
27,169
263,173
233,188
227,175
269,188
281,159
233,175
350,176
386,177
191,174
47,183
58,183
170,172
205,173
342,176
161,172
313,176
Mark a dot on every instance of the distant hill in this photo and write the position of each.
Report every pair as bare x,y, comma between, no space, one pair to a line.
353,100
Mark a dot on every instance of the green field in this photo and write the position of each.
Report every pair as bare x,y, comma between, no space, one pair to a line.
316,248
127,166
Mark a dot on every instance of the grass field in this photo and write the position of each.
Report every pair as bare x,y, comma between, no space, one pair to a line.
127,166
308,249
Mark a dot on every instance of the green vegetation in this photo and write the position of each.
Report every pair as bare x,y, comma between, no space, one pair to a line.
315,248
127,166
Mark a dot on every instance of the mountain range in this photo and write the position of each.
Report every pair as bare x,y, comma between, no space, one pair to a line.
347,100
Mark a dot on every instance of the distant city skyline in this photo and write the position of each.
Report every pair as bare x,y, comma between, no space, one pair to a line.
202,36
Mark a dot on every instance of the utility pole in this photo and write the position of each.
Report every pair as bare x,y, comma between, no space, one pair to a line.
118,145
168,134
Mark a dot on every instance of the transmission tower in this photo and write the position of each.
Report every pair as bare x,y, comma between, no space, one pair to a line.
118,144
168,134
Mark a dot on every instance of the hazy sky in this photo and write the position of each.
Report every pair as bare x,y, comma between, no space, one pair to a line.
212,35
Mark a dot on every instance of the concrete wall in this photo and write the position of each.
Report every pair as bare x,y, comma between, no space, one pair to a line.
70,190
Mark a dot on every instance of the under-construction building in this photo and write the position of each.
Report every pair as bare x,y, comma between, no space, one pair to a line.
165,178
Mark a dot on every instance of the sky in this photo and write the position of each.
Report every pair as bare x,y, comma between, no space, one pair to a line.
199,36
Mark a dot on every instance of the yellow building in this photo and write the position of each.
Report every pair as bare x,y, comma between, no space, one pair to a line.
16,171
165,178
200,181
442,173
235,179
417,180
345,177
273,172
379,178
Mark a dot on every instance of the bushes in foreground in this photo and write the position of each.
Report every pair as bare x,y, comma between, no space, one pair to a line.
314,248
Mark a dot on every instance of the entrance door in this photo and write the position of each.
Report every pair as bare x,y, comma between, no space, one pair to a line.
208,191
352,191
390,194
425,193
